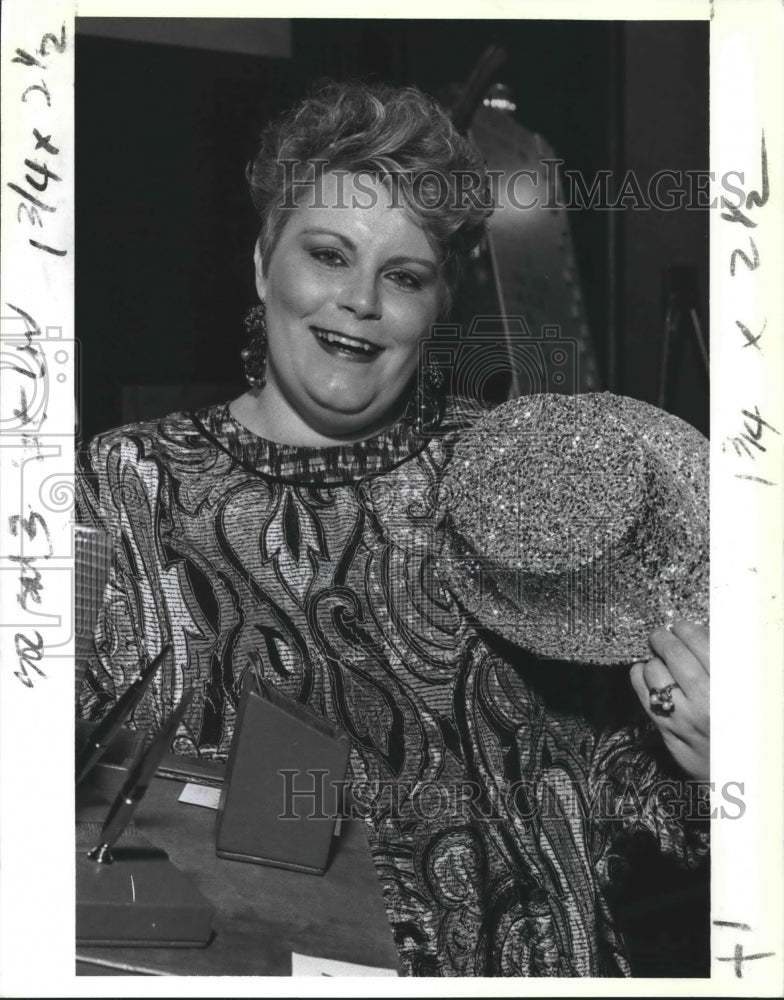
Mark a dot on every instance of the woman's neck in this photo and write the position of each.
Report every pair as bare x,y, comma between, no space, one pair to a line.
269,416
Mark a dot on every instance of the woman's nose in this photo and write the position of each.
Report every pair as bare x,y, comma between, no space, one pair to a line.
360,296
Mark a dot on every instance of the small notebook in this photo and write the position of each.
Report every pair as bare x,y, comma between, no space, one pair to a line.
282,796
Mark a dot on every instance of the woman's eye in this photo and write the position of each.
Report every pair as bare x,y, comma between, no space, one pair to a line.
332,258
405,279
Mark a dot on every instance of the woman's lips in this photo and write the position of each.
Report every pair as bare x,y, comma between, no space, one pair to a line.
340,345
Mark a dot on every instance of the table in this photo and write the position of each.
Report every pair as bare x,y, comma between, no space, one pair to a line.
262,913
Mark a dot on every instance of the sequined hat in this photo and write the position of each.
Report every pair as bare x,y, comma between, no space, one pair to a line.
578,524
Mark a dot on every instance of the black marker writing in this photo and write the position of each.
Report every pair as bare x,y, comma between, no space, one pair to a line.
30,197
44,142
30,584
40,173
754,198
751,340
44,90
43,49
737,957
735,215
30,526
48,249
45,172
750,438
755,433
29,348
59,43
32,214
30,654
755,479
26,59
752,263
32,329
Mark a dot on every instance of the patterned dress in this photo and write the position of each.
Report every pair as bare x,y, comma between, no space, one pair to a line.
499,790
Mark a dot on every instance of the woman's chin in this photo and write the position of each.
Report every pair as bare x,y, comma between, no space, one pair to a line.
344,417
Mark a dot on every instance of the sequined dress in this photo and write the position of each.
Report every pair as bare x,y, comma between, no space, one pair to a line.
498,790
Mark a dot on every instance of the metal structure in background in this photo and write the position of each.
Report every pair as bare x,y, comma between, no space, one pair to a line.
532,247
92,560
524,278
681,322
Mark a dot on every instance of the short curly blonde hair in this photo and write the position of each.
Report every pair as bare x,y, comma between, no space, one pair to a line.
390,133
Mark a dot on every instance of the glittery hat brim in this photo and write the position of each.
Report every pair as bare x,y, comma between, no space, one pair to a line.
608,638
599,602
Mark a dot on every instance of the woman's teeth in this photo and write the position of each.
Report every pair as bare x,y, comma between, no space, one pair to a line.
360,346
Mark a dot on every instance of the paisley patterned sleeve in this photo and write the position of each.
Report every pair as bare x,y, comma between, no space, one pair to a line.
118,651
639,794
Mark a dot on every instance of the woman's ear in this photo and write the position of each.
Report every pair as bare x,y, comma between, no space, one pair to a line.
258,264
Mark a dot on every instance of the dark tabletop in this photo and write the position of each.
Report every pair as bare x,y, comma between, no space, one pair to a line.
262,913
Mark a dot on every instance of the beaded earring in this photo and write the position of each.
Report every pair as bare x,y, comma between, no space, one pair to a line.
254,356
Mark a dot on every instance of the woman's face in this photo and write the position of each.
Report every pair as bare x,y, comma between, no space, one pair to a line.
352,287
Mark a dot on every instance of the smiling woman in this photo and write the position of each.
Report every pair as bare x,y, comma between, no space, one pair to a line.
300,527
349,295
364,233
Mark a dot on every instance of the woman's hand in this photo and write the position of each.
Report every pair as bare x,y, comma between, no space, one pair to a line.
673,687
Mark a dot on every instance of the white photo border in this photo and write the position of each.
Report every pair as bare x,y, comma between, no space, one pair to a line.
36,736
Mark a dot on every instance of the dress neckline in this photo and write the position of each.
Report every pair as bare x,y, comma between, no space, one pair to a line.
307,464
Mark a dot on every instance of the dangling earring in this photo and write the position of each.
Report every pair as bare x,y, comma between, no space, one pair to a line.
254,356
429,399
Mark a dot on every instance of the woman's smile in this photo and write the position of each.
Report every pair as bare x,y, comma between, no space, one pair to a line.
345,347
350,293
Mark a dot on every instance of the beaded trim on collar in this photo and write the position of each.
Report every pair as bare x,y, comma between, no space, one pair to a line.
317,465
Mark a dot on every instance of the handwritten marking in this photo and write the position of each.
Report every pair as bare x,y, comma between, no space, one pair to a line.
30,526
42,246
735,215
46,173
755,479
32,214
32,532
30,197
45,142
28,656
751,340
26,59
33,328
739,958
59,43
752,263
31,584
757,434
751,434
133,890
44,90
754,198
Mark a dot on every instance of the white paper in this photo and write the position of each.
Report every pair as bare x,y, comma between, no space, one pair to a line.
310,965
200,795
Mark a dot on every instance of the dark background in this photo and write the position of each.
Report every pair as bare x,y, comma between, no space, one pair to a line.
165,228
165,232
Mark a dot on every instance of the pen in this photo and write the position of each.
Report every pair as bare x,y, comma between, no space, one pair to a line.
105,731
139,777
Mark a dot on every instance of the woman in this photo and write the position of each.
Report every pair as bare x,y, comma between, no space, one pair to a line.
262,525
